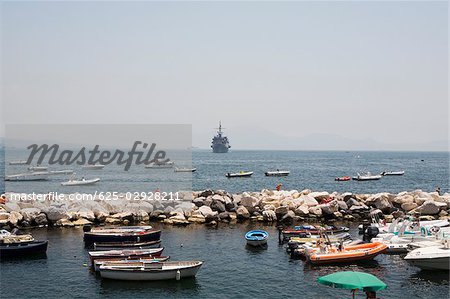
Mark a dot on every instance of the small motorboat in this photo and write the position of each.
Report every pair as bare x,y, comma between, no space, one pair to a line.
431,258
343,179
37,168
161,164
128,262
277,173
257,238
185,169
93,166
31,176
152,271
121,234
367,177
240,174
305,230
82,182
324,254
125,254
125,245
18,162
384,173
60,172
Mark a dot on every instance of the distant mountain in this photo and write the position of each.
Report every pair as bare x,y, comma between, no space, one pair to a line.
256,138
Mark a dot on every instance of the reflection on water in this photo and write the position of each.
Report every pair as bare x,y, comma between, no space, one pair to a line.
426,276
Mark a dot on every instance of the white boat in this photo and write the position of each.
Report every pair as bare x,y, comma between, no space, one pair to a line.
185,169
160,165
58,172
93,166
127,263
431,258
37,168
277,173
367,177
18,162
82,182
384,173
32,176
239,174
152,271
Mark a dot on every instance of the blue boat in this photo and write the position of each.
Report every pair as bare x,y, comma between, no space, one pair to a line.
257,238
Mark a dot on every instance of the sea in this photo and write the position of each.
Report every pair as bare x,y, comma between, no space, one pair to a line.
230,269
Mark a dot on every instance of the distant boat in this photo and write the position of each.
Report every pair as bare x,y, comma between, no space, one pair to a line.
220,143
277,173
12,246
127,263
239,174
430,258
93,166
124,254
185,169
32,176
257,237
18,162
82,182
384,173
161,165
343,178
37,168
152,271
58,172
367,177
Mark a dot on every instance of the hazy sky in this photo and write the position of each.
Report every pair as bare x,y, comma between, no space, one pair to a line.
362,70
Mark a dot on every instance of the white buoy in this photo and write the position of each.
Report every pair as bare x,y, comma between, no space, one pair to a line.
178,277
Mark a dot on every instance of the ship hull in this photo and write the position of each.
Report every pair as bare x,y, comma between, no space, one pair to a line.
220,148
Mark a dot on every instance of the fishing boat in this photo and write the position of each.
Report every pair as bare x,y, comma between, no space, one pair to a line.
257,237
343,179
121,234
367,177
18,162
82,182
304,230
347,254
384,173
185,169
127,262
31,176
37,168
12,245
430,258
239,174
125,254
93,166
125,245
277,173
152,271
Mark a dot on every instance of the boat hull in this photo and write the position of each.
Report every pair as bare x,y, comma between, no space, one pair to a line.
239,175
220,148
257,243
94,237
356,253
23,249
277,173
431,264
125,245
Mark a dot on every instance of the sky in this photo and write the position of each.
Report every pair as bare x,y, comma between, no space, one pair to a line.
375,73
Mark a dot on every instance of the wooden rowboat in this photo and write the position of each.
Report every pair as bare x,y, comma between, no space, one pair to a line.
125,245
125,254
128,262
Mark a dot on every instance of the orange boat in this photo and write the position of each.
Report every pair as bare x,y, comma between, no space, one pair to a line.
351,253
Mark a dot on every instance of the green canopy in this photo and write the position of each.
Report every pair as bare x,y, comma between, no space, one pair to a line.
351,280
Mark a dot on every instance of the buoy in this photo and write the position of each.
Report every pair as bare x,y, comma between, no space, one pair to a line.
181,245
178,275
85,264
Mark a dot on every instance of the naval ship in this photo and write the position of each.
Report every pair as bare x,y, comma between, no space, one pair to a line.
220,143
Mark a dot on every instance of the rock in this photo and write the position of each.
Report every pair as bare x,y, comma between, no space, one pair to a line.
430,208
309,200
179,220
281,211
237,198
269,215
123,215
388,218
155,214
81,222
217,205
349,217
342,205
230,206
186,195
4,216
288,217
443,213
197,219
303,210
29,214
249,202
57,212
168,210
380,201
329,208
15,218
319,196
337,214
408,206
198,201
140,215
242,213
206,193
41,219
316,211
12,206
206,211
126,222
86,214
352,202
64,222
233,215
398,214
224,215
269,207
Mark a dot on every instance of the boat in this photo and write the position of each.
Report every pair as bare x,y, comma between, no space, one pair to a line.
59,172
125,254
127,262
121,234
343,179
152,271
239,174
125,245
305,230
220,143
430,258
257,237
82,182
93,166
31,176
277,173
185,169
37,168
22,249
385,173
18,162
160,165
367,177
347,254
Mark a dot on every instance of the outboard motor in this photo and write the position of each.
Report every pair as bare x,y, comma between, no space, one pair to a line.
370,232
291,246
87,228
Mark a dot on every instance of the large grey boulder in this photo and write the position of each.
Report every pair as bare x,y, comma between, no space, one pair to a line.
269,215
15,218
207,211
29,214
242,213
218,206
